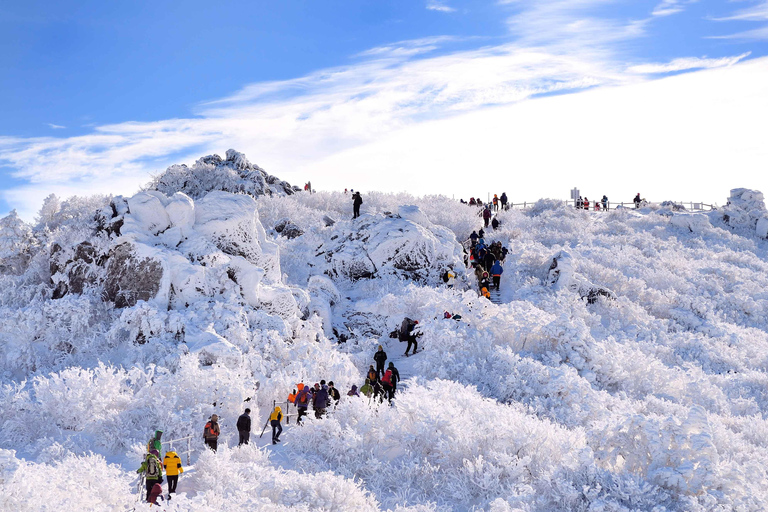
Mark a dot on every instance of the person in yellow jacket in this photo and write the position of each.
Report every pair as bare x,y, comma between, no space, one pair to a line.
274,420
172,465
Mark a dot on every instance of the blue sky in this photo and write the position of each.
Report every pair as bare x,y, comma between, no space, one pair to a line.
95,95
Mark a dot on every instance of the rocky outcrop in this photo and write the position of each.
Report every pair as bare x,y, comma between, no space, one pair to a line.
130,277
234,174
745,211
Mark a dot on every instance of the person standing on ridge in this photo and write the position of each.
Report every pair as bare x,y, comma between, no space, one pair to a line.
172,465
637,200
211,433
496,272
495,203
605,202
381,358
152,469
357,200
244,427
274,421
503,199
486,216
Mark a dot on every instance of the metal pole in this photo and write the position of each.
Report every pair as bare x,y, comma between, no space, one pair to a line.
189,448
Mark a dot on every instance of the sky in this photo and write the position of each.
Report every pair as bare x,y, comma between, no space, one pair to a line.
465,98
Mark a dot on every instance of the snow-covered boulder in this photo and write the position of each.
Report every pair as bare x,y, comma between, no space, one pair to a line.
212,348
181,211
745,209
405,244
147,213
134,274
694,222
234,173
562,276
231,222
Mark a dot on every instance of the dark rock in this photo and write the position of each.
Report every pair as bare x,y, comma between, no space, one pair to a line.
130,278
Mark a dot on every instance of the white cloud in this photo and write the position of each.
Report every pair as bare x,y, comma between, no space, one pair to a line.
668,7
757,12
687,63
56,126
437,5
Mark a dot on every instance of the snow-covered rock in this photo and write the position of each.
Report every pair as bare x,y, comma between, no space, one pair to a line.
562,276
694,222
233,174
744,209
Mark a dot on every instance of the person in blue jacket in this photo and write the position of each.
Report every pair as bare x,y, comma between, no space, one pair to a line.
496,271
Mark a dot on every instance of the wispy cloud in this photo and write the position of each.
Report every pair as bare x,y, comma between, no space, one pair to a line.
758,13
437,5
687,63
668,7
56,126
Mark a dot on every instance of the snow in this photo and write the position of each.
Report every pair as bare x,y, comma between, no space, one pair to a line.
631,375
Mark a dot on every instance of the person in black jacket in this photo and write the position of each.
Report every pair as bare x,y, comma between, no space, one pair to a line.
357,200
406,334
244,427
395,377
380,357
333,393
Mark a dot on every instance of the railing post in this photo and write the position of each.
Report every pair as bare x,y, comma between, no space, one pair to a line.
189,448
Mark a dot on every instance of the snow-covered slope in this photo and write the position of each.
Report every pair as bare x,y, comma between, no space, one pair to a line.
122,315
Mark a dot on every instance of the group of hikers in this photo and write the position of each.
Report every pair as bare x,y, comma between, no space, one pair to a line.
152,469
487,260
494,204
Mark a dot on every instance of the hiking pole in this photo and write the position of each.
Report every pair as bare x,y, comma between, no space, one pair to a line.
265,428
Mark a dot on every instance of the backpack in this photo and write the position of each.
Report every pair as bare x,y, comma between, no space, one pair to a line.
153,468
387,378
372,375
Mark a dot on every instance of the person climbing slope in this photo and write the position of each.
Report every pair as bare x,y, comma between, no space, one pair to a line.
487,216
155,443
320,400
503,200
406,334
302,402
386,382
381,358
395,378
172,465
274,420
496,271
152,469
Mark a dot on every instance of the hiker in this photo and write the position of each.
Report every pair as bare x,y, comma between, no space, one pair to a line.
406,334
637,200
357,200
378,390
480,234
367,388
244,427
485,280
474,236
605,202
495,203
489,259
353,390
496,271
152,469
395,378
487,216
274,421
372,374
309,186
586,203
472,201
485,293
380,357
333,393
302,402
155,494
386,382
211,433
579,203
504,252
320,400
451,279
172,465
154,443
503,199
495,223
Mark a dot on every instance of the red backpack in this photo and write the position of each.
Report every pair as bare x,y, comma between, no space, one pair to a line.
387,378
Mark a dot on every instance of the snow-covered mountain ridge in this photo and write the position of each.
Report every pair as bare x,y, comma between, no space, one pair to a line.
122,315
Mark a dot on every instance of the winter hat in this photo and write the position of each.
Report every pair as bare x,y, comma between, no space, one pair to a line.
416,321
381,347
354,387
391,364
330,383
214,417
